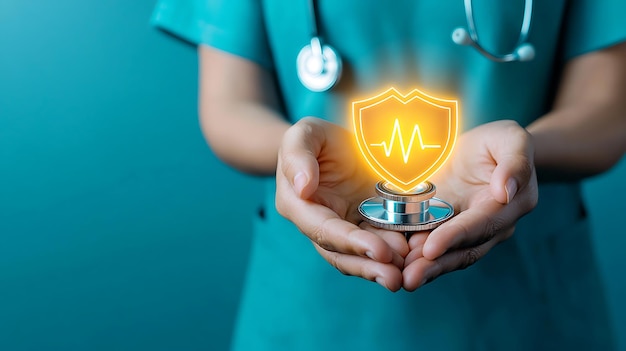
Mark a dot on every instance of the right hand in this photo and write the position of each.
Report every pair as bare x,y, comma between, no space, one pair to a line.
491,182
320,182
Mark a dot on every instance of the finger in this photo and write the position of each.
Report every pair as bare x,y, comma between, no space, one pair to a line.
297,157
396,240
324,226
474,226
385,274
417,239
513,155
422,271
416,243
413,256
398,259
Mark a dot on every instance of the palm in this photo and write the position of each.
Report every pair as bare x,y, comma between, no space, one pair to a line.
465,180
343,183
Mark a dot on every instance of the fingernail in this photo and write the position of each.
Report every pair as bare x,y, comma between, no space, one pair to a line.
370,255
381,281
299,182
424,281
511,189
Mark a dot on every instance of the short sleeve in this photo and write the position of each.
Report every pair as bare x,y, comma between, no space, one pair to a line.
593,25
233,26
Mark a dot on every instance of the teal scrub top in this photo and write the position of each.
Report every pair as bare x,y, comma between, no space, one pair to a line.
538,290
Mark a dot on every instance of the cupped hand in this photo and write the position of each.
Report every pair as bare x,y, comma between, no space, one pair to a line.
319,184
490,179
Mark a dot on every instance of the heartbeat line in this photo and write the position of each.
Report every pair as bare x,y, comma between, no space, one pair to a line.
405,152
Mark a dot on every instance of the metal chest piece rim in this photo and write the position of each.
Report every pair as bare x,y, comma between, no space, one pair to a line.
412,211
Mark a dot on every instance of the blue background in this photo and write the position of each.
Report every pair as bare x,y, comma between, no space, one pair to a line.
111,237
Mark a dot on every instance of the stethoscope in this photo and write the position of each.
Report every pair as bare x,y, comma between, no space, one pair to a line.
319,65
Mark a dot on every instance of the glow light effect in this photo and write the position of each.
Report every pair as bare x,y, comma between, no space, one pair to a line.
379,121
406,152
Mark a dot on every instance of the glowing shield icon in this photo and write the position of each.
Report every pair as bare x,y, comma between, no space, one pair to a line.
405,138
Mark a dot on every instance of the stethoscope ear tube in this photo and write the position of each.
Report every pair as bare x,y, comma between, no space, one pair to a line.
523,51
319,65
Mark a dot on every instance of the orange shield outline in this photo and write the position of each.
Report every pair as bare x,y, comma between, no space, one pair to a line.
405,139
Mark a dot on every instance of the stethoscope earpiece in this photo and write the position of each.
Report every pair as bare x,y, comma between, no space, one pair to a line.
525,52
461,37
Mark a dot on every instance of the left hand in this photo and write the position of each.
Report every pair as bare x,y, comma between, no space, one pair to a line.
319,185
490,179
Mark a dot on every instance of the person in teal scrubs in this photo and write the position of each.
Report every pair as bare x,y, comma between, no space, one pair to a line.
555,119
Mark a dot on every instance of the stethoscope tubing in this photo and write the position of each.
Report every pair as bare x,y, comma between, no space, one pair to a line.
325,72
522,40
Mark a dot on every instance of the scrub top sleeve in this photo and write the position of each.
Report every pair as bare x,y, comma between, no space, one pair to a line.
593,25
233,26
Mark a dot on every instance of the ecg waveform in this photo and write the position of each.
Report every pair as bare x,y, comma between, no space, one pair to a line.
406,152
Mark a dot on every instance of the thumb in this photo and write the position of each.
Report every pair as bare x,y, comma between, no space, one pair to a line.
297,158
513,154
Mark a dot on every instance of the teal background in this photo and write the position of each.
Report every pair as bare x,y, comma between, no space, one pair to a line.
111,236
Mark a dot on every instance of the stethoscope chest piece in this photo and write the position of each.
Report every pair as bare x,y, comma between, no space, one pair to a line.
412,211
318,66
